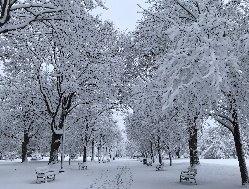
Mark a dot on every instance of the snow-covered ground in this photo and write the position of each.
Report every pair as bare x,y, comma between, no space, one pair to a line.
122,174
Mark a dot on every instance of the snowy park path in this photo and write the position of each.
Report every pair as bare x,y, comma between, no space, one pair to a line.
117,178
216,174
123,174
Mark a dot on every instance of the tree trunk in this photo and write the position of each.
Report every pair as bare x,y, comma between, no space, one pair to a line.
239,149
170,159
151,152
106,153
55,144
69,160
178,152
110,153
194,159
84,153
159,150
98,154
85,149
25,146
92,158
159,156
99,149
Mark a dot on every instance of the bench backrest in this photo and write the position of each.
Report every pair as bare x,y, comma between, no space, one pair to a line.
41,169
44,170
192,169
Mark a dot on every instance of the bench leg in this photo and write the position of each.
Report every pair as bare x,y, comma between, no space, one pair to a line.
50,177
42,179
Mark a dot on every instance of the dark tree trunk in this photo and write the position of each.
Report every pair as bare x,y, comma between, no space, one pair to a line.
5,13
55,144
170,159
117,154
56,138
69,160
63,107
99,149
110,154
194,159
239,149
25,146
159,150
151,152
99,158
159,156
178,152
85,148
85,143
65,103
84,153
92,158
106,153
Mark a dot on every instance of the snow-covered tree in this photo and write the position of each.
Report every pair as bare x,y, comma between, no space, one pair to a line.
216,143
24,109
198,56
18,14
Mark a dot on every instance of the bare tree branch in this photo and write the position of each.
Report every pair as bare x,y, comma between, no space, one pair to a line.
188,11
225,125
8,6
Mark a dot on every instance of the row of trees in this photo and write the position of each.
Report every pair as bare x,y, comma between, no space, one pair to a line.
190,62
61,75
65,70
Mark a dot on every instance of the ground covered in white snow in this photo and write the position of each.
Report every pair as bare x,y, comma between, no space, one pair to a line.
122,174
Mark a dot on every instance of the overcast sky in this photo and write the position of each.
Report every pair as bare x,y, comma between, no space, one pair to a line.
123,13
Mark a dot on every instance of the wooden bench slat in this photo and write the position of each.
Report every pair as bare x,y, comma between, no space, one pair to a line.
189,175
160,167
44,173
82,165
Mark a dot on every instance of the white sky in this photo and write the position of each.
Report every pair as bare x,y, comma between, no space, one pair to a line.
123,13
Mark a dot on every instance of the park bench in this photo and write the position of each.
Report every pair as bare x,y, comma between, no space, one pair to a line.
189,175
82,165
149,162
44,174
144,161
160,167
